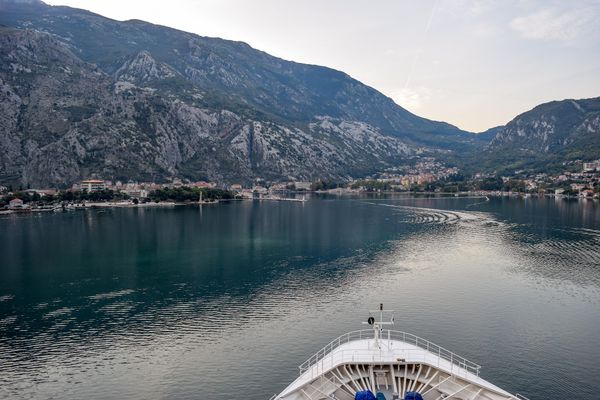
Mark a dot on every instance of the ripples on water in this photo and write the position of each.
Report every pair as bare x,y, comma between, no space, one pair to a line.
227,302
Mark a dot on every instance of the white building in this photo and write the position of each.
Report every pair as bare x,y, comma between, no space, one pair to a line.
260,190
136,193
15,204
247,193
591,166
302,185
92,185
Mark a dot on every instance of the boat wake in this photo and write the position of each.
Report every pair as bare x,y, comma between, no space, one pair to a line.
423,215
576,259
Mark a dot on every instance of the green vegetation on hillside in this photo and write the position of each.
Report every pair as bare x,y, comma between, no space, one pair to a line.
185,194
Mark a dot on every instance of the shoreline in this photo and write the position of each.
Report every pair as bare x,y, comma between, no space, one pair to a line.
170,204
109,204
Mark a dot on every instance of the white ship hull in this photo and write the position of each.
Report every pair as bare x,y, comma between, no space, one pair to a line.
393,364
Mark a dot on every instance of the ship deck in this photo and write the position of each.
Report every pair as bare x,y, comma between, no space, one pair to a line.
355,360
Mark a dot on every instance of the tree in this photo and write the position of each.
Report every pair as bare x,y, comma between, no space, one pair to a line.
188,194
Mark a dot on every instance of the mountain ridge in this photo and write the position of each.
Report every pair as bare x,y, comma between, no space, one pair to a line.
278,119
67,120
546,136
315,86
176,104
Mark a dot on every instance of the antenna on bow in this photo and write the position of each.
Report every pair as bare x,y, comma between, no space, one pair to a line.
378,325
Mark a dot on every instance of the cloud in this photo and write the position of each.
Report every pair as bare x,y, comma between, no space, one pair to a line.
468,8
557,24
412,99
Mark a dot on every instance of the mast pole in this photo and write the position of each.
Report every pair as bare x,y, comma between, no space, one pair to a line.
378,325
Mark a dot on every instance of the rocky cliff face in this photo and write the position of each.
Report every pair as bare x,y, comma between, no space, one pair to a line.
143,68
548,135
232,71
63,119
85,95
551,127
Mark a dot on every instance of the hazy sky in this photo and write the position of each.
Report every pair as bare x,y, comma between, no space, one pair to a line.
475,64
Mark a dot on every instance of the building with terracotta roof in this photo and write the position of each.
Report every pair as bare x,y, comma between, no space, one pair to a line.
15,204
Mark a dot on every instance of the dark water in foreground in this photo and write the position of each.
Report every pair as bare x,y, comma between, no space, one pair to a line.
226,301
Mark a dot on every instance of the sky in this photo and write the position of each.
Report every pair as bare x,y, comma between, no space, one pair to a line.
474,64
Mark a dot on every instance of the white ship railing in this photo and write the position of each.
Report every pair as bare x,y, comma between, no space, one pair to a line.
388,335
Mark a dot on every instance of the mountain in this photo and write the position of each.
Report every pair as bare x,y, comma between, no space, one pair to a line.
83,95
489,134
546,136
63,119
86,95
284,89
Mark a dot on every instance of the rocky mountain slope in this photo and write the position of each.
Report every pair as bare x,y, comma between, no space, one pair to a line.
239,73
88,95
63,119
85,95
548,135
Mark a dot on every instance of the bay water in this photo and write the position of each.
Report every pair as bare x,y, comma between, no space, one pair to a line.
225,301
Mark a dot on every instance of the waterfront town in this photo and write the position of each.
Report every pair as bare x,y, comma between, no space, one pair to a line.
425,176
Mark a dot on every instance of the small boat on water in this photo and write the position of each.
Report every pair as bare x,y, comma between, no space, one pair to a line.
379,364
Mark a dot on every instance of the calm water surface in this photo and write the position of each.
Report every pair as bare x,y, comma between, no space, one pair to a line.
226,301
